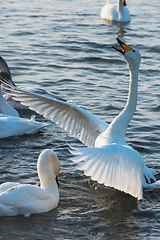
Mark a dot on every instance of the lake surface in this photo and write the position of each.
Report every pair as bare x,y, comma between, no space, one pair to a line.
64,47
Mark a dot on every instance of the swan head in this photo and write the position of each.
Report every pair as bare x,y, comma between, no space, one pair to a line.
123,2
132,55
5,73
54,163
48,166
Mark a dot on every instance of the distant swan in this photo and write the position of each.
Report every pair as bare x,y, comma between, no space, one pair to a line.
26,199
108,159
116,12
10,122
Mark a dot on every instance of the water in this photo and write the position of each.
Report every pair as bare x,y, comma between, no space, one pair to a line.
63,46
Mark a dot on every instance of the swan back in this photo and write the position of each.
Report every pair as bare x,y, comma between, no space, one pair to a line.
48,167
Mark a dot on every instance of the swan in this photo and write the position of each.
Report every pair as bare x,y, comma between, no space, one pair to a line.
116,12
10,122
107,158
26,199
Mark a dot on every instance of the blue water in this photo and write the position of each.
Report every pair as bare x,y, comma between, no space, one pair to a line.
64,47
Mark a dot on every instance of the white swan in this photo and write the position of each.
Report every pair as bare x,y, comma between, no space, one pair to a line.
108,158
26,199
10,122
14,126
116,12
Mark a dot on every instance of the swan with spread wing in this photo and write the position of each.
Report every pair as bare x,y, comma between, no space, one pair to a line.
107,158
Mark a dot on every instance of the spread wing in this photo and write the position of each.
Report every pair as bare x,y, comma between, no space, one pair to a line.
75,120
115,165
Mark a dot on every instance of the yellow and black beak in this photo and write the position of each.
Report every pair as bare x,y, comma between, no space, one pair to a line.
125,48
57,179
124,2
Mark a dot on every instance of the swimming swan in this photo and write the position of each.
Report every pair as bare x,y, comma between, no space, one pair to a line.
116,12
26,199
108,159
10,122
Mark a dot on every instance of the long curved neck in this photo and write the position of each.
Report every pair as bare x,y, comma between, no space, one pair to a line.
2,101
46,176
120,6
118,126
5,108
121,11
132,97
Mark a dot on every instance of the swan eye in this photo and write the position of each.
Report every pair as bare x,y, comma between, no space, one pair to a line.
133,50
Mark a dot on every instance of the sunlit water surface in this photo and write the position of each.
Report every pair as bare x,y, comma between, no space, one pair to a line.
64,47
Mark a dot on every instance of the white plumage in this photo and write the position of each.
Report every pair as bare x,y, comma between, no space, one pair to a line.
15,126
108,159
17,105
26,199
114,165
115,12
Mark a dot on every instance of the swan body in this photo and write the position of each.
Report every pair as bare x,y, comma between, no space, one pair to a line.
10,122
26,199
115,12
107,158
14,126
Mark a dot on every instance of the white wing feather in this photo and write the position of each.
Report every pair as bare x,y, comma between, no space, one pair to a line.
75,120
114,165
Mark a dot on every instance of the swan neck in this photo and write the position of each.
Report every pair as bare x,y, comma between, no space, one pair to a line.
125,116
120,6
2,100
46,176
50,185
118,127
132,95
5,108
